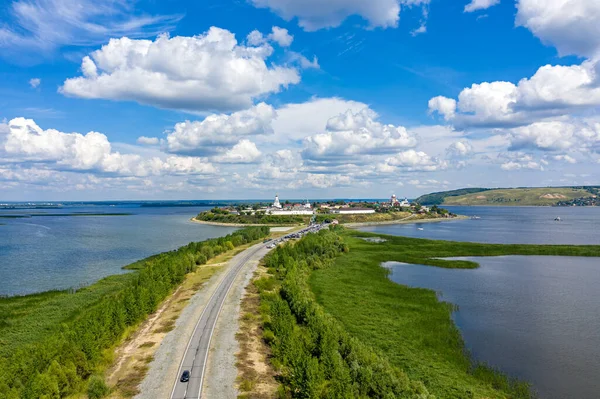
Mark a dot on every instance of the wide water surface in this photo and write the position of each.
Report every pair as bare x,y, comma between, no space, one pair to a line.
533,317
59,252
508,225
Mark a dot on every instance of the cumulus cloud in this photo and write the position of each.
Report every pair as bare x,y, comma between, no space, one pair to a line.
476,5
243,152
148,140
551,91
569,25
217,131
556,136
35,82
278,35
317,14
26,142
519,161
326,180
565,158
444,106
200,73
412,160
460,149
296,121
351,134
44,25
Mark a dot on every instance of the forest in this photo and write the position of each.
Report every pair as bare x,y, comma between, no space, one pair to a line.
51,344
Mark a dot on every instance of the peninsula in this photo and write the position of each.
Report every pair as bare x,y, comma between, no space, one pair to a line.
338,211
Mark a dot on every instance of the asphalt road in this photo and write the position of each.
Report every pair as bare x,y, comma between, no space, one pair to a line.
196,352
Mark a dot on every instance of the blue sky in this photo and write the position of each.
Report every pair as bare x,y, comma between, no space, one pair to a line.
239,99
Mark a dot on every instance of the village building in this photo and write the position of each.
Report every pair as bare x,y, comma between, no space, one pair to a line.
353,211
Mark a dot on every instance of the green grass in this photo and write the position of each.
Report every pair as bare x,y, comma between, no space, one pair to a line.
519,196
409,326
27,319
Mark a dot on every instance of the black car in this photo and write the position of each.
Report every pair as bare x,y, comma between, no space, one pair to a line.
185,377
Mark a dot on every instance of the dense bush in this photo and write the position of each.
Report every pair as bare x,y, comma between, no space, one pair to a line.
317,357
57,365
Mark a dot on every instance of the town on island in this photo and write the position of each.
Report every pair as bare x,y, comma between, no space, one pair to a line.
342,211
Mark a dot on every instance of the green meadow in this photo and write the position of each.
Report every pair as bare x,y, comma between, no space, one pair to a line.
368,323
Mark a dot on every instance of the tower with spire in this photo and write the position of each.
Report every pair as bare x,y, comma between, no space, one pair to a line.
276,203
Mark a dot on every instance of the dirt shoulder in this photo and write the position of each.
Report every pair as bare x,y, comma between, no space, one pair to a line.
256,376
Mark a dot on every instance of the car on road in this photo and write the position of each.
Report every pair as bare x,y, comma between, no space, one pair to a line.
185,377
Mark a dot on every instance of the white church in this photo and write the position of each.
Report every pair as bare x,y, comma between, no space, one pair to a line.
298,209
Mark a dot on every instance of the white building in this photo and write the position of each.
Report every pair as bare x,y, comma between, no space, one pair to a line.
307,205
405,203
353,211
291,212
276,203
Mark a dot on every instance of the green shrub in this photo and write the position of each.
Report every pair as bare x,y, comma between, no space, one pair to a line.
97,388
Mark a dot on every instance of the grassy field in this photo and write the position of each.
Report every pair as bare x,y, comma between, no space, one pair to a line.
518,197
409,326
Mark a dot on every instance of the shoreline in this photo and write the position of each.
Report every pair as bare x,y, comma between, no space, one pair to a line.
194,220
406,221
348,225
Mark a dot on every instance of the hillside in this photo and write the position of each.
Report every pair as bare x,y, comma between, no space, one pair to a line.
438,198
546,196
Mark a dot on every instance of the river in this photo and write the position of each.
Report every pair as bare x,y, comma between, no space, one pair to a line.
533,317
48,252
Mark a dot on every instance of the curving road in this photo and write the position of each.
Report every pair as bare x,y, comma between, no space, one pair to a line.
196,352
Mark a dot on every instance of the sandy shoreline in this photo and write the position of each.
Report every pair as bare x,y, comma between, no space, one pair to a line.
349,225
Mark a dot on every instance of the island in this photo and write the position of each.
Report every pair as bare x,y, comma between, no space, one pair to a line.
350,213
522,196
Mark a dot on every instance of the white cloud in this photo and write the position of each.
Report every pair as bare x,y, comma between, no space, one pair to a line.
26,143
551,91
304,62
565,158
475,5
569,25
243,152
557,135
44,25
519,161
350,134
317,14
326,180
201,73
35,82
148,140
444,106
412,160
297,121
281,36
460,149
217,131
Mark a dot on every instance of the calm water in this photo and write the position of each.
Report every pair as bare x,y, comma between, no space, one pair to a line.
537,318
58,252
514,225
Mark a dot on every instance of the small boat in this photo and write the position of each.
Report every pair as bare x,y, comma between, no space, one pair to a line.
420,228
557,219
475,217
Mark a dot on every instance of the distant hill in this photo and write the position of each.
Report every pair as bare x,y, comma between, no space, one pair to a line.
439,198
545,196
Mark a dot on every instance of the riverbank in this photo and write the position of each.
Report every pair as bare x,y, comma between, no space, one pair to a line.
71,334
352,225
334,287
404,221
409,325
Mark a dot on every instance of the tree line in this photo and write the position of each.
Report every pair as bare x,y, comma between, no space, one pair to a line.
316,357
61,364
